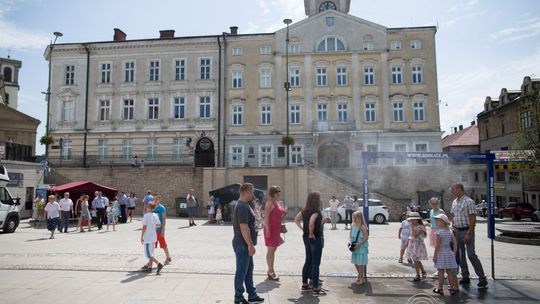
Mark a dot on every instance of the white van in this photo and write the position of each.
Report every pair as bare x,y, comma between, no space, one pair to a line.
9,212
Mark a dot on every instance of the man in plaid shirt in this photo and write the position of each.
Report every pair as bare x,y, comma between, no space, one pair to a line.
464,222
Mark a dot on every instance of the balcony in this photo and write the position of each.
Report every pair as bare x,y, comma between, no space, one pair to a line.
333,125
120,160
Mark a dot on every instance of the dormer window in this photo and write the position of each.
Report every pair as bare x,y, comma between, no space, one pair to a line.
331,44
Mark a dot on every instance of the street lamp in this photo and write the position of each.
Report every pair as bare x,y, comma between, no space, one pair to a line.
48,93
287,84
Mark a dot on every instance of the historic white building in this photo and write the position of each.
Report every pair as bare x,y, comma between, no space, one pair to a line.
221,100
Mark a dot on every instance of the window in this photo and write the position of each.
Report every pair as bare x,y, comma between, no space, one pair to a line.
294,48
476,177
204,107
296,155
237,79
266,157
153,74
105,73
70,75
153,108
399,113
127,148
180,69
395,45
419,111
237,115
66,149
342,114
237,51
371,115
372,148
128,109
294,114
103,149
397,74
237,156
367,46
266,115
265,50
331,44
416,44
152,148
68,110
129,71
265,78
500,176
178,148
322,79
369,75
294,75
503,126
417,74
205,68
8,74
525,120
341,75
421,148
513,177
400,148
104,110
322,112
179,108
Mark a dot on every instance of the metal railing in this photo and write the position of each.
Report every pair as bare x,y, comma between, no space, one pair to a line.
334,125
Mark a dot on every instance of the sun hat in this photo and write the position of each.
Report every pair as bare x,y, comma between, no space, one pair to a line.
414,216
443,217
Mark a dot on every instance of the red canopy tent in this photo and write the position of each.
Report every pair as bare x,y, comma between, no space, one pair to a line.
76,189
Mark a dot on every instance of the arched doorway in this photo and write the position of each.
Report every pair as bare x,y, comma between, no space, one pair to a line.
333,155
204,153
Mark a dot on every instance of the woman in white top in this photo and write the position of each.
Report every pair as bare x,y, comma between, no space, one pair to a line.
132,203
211,209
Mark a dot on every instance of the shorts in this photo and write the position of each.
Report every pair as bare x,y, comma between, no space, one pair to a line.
161,241
404,242
131,208
148,250
52,223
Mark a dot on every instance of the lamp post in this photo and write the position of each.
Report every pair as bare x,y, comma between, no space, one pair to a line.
48,93
287,84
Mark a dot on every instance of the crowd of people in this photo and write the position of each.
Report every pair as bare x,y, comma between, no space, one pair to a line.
452,240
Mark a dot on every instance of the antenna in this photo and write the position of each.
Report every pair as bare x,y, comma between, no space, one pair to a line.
9,53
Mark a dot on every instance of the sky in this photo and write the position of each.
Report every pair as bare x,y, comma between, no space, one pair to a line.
482,45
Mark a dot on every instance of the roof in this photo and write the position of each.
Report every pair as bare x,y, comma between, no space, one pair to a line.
85,186
466,137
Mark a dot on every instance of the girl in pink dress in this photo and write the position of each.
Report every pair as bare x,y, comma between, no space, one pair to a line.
273,215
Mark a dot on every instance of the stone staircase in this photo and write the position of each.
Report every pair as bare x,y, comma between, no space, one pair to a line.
54,177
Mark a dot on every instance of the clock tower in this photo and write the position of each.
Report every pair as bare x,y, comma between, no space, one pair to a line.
313,7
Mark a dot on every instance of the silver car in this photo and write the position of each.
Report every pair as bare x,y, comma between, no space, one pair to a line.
378,212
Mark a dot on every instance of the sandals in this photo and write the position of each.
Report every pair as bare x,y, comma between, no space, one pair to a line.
417,279
438,291
306,287
424,275
319,292
167,261
400,261
273,276
453,290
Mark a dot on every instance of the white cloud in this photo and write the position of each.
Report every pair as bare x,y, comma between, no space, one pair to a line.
527,29
465,92
14,37
273,13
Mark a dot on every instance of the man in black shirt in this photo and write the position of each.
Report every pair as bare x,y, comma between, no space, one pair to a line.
244,241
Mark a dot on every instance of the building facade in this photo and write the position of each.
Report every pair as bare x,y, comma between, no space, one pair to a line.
9,81
500,126
221,100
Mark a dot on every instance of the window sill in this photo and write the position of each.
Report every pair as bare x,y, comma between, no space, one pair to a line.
153,83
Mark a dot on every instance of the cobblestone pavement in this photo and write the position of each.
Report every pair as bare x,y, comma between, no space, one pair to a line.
103,266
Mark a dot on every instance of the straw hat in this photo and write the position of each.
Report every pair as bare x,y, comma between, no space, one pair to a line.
414,216
443,217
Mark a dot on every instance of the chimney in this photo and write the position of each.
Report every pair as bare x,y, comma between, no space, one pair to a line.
119,35
455,130
473,123
166,34
234,30
460,127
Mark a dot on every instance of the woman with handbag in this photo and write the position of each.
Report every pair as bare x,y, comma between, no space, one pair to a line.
273,216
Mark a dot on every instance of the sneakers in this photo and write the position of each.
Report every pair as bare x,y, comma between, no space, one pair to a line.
257,299
243,301
159,267
465,281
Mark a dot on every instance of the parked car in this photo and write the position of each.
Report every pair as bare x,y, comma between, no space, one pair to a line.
378,212
516,211
9,210
536,216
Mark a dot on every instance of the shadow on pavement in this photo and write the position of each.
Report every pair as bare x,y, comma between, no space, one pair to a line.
40,239
307,297
267,286
133,276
